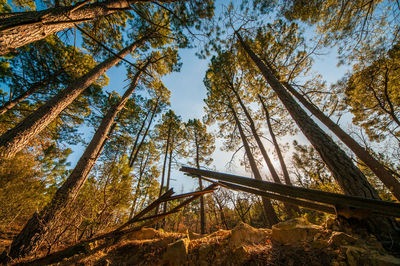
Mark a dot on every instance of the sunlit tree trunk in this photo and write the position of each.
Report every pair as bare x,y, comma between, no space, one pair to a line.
164,165
171,150
135,154
20,28
349,177
23,96
276,145
39,225
18,137
385,175
264,153
139,183
269,209
202,207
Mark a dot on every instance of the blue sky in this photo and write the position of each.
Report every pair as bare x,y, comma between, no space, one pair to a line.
187,94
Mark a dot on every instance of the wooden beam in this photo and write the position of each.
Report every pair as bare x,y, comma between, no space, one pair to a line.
377,206
296,202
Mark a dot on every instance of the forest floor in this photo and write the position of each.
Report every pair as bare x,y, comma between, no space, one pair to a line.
294,242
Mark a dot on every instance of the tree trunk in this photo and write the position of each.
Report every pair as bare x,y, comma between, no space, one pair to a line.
141,172
164,165
264,153
376,167
34,88
133,152
21,28
350,178
18,137
39,225
276,145
289,208
169,174
202,207
268,208
144,135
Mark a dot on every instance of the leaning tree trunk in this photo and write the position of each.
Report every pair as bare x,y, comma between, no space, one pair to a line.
163,169
18,137
33,88
146,132
39,225
21,28
202,207
376,167
142,167
291,210
350,178
134,147
272,218
276,145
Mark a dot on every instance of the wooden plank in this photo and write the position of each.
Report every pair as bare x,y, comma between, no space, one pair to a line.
377,206
296,202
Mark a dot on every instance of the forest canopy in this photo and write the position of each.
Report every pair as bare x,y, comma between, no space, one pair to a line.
91,132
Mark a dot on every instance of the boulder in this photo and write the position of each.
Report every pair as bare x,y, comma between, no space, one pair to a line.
176,253
338,239
244,234
294,232
384,260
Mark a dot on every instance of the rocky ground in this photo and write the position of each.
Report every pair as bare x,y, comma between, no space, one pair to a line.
295,242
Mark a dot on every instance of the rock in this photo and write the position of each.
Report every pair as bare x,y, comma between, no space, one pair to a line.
384,260
144,233
319,244
193,236
244,234
355,255
295,231
176,253
338,239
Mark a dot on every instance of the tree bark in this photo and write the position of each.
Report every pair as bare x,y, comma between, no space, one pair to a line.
289,208
350,178
264,153
34,88
133,152
385,175
141,172
168,175
268,208
21,28
18,137
202,207
144,135
276,145
164,165
39,225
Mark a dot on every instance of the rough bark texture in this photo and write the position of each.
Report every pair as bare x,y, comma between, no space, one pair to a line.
271,216
18,137
40,224
20,28
379,169
349,177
